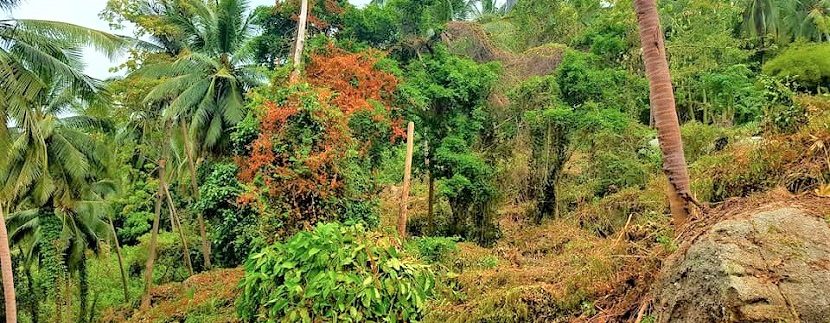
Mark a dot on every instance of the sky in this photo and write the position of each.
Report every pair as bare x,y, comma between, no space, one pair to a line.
85,13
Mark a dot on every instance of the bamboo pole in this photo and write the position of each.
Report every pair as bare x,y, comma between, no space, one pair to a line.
410,146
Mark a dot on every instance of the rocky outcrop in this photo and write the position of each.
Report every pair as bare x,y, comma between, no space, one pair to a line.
768,267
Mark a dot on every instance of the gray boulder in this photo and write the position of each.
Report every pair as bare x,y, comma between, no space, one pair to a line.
770,267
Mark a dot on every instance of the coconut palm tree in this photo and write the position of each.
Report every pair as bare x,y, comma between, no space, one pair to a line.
762,17
808,19
33,49
60,239
54,172
664,110
35,54
786,21
206,81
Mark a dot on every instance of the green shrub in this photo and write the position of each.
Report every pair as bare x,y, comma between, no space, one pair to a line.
134,209
807,64
334,273
234,228
700,139
582,78
433,249
169,264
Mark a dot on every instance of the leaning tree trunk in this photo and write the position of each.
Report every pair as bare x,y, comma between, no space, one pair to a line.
174,218
6,267
191,164
154,232
298,46
665,113
120,263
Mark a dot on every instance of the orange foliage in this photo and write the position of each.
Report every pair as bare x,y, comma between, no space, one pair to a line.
356,81
353,76
296,158
297,175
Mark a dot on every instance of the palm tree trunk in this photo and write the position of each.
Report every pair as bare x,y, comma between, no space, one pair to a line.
83,288
151,254
174,218
191,163
34,310
298,46
120,263
665,112
6,267
53,265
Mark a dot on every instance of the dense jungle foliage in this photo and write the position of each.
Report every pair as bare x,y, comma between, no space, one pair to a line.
206,183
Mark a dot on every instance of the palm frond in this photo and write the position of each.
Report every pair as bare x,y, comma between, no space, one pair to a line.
8,4
109,44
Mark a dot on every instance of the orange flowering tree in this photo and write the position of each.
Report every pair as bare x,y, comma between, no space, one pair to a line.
307,150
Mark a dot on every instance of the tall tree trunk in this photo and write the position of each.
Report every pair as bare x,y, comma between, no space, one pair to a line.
191,163
34,310
665,112
83,288
410,134
52,250
298,46
151,254
174,218
120,263
6,267
431,201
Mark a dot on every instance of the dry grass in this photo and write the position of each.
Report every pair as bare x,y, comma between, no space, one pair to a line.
597,263
553,272
210,295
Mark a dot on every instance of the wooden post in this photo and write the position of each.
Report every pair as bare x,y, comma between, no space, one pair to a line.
410,146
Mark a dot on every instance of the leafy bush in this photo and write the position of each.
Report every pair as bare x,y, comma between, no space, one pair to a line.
701,139
582,78
319,143
234,227
374,24
807,64
733,95
134,209
433,249
453,119
782,114
169,265
334,273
